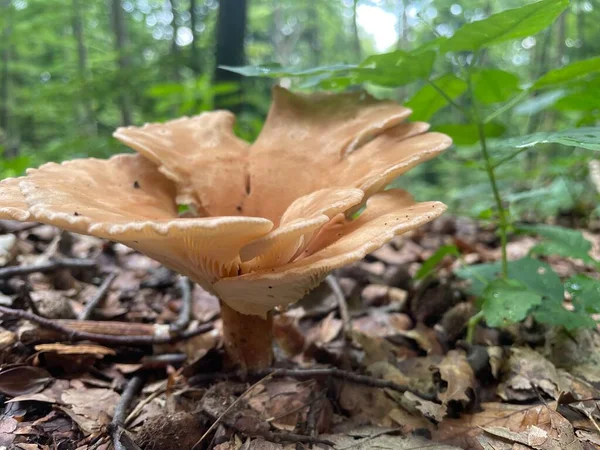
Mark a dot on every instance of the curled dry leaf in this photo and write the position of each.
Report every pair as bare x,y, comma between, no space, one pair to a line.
23,380
464,431
528,374
456,372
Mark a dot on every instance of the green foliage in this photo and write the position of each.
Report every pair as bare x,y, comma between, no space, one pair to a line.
586,137
560,241
428,100
494,85
568,73
505,26
507,301
430,264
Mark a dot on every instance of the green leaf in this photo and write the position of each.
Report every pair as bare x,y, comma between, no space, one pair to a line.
536,275
427,101
507,301
391,69
560,241
430,264
510,24
494,85
467,134
585,293
579,101
394,69
278,71
568,73
554,313
585,137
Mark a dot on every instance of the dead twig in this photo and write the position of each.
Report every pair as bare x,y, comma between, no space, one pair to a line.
48,266
335,287
352,377
217,420
117,424
74,335
100,294
185,313
277,437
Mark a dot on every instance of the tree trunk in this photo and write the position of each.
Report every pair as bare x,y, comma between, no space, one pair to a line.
11,148
356,38
121,41
88,116
194,56
231,31
175,57
312,35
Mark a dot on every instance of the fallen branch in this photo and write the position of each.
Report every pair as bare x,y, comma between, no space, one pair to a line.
100,294
352,377
106,339
185,313
117,424
48,266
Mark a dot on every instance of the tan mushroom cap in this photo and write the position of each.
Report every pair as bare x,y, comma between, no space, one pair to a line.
388,213
126,199
12,202
201,155
319,158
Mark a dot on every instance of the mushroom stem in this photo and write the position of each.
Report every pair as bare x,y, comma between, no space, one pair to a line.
248,339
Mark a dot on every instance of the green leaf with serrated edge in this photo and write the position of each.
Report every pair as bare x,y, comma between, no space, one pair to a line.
494,85
560,241
507,25
507,301
536,275
585,137
568,73
467,134
585,293
552,313
430,263
427,101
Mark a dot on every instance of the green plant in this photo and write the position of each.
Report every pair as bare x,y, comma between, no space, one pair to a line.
509,290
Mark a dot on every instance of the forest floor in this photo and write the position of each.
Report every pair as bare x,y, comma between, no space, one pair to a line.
91,355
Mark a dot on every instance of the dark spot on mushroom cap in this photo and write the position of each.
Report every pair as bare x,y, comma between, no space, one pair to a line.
76,213
270,287
239,208
136,184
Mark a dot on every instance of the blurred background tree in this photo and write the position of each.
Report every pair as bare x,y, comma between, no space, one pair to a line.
71,71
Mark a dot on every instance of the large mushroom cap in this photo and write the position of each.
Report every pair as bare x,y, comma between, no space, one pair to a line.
274,215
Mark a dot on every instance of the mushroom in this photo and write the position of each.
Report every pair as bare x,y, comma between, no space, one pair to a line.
272,219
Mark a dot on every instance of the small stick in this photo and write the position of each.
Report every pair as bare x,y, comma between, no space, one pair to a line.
275,437
333,284
185,313
48,266
314,373
74,335
230,407
100,294
116,425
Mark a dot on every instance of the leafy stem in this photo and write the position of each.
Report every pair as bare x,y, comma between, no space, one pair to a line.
489,168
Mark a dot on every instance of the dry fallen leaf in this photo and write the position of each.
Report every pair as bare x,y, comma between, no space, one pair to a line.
455,370
465,430
23,380
529,374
